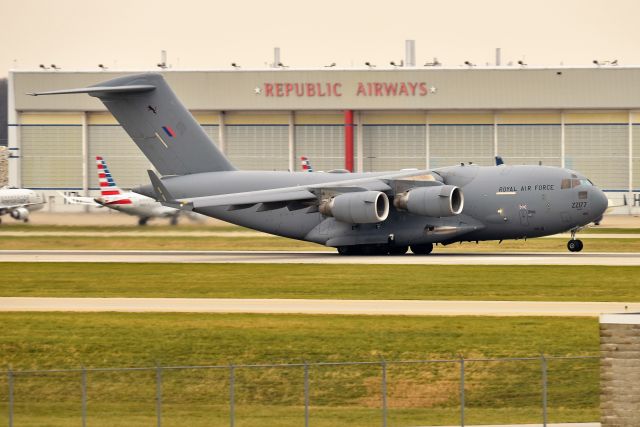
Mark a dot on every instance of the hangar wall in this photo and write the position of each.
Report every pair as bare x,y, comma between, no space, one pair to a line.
54,147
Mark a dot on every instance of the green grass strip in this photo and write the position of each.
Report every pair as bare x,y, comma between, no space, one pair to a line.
342,281
502,392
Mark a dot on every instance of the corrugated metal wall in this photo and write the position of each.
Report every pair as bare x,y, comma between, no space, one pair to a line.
126,162
596,144
393,147
530,144
51,156
258,147
636,157
451,144
599,151
322,144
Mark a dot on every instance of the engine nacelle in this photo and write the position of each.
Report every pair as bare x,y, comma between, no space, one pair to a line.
19,213
436,201
363,207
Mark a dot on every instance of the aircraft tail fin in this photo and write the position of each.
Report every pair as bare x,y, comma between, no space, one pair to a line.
305,164
165,131
108,185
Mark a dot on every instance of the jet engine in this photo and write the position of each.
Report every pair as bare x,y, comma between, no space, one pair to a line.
436,201
363,207
20,213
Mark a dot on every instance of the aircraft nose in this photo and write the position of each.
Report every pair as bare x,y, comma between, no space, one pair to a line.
600,203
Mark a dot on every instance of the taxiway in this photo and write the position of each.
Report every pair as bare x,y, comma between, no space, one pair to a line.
324,257
316,306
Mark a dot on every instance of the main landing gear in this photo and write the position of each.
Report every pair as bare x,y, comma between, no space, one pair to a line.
423,249
574,245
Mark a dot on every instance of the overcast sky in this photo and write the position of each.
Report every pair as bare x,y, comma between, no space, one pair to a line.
199,34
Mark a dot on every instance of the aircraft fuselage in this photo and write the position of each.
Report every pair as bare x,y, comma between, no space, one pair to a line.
500,202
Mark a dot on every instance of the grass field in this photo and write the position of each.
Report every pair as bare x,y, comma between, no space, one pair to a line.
417,394
232,243
342,281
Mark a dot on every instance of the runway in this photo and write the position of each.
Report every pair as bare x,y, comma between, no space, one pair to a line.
151,232
324,257
317,306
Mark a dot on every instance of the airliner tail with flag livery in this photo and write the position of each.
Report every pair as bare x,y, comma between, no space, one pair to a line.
112,197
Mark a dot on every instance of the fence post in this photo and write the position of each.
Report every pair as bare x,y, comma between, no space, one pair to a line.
306,394
462,403
384,393
83,385
543,362
10,381
232,397
159,396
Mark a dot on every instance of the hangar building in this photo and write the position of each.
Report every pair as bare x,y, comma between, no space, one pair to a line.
372,119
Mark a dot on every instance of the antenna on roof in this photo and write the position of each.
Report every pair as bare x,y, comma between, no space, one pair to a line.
163,60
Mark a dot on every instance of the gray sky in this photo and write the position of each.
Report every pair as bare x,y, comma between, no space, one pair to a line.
197,34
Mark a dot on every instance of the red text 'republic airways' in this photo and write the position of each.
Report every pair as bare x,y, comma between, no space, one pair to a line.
372,89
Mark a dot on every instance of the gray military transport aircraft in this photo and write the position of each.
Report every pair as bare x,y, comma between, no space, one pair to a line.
357,213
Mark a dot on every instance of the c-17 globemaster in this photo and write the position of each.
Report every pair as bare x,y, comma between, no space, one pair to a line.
357,213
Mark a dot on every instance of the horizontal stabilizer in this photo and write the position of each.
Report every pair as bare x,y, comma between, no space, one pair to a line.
79,200
99,89
164,196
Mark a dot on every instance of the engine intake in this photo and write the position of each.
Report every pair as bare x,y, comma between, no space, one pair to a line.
363,207
436,201
19,213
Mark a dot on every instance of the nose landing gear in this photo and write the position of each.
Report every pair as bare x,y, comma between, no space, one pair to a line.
574,245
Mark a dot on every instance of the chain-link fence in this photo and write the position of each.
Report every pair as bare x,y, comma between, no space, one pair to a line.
460,391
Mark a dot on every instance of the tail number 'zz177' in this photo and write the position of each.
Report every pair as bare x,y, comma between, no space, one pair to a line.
578,205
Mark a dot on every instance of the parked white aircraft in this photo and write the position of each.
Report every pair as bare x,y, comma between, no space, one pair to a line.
18,202
127,202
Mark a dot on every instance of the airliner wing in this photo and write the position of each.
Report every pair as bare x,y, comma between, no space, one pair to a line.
20,205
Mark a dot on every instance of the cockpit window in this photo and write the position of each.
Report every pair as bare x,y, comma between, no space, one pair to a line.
573,183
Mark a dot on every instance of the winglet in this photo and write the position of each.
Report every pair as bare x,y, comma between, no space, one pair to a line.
164,196
499,161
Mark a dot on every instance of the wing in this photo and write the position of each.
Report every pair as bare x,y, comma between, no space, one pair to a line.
384,183
20,205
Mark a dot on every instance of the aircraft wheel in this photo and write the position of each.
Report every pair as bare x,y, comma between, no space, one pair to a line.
424,249
143,221
348,250
174,220
575,245
398,250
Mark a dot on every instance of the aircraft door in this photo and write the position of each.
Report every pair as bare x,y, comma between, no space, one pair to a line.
524,215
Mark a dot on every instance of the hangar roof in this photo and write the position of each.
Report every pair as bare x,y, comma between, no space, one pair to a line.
435,88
